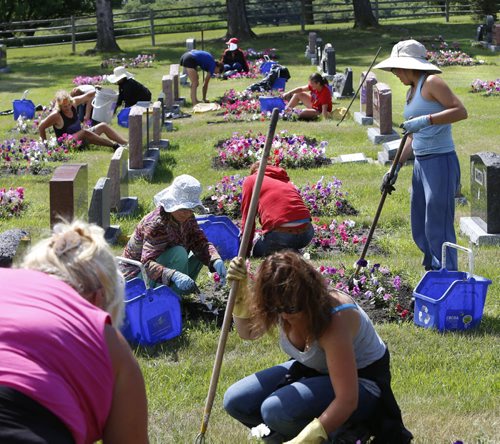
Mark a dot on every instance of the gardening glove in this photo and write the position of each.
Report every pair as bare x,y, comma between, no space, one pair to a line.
313,433
416,124
238,272
184,283
221,270
388,181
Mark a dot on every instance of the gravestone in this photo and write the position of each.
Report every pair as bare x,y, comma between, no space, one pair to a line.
319,51
365,114
135,129
120,201
3,59
342,85
68,193
495,39
312,45
386,156
190,44
382,115
157,126
353,158
167,86
483,227
174,72
13,245
488,29
331,67
99,210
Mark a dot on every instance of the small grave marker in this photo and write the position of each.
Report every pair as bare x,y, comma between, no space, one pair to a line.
382,115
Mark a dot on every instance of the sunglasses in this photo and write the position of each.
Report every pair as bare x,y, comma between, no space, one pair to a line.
285,309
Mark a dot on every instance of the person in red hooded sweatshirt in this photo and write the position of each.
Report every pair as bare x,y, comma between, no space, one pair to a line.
283,215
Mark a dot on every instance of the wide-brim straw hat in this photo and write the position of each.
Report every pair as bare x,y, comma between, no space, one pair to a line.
119,73
183,194
408,54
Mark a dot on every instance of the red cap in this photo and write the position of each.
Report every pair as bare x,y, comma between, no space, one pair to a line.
233,40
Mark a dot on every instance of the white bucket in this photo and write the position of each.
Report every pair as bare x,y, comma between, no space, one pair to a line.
104,104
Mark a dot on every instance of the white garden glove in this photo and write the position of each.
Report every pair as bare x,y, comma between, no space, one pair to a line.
417,123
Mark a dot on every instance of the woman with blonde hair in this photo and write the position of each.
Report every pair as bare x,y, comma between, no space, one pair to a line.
338,380
67,375
64,120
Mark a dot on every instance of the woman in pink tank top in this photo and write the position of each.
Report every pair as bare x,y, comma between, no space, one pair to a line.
66,373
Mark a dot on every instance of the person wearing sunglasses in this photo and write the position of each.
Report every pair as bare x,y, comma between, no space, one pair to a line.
336,386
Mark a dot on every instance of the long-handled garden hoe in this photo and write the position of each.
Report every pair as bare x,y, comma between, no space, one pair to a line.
361,261
226,324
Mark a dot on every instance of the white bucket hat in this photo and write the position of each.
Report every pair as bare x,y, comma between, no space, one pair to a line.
183,193
408,54
119,73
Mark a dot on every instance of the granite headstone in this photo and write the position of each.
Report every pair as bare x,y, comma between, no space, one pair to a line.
174,72
135,129
118,177
190,44
13,244
382,107
68,193
168,89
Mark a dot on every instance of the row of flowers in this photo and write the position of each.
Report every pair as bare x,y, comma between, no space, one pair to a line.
288,150
139,61
322,198
487,88
254,54
89,80
446,57
11,202
29,155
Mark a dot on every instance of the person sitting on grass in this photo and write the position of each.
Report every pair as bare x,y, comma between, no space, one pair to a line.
233,58
170,243
337,384
316,96
64,119
67,375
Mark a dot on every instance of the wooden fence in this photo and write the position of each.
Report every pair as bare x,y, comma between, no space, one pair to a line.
214,16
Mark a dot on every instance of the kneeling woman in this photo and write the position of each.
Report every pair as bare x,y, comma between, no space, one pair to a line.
316,96
338,378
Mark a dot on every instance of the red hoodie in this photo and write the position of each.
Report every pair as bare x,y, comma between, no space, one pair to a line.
279,200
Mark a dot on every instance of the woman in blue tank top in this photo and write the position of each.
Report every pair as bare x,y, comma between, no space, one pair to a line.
431,108
337,384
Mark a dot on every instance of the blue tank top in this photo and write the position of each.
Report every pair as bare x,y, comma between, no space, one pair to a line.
204,60
434,139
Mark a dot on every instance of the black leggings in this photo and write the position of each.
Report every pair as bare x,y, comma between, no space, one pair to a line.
24,421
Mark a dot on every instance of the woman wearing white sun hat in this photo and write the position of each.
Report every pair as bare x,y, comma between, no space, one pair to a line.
431,107
169,241
130,91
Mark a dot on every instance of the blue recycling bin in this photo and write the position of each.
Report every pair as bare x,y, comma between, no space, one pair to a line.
223,233
25,108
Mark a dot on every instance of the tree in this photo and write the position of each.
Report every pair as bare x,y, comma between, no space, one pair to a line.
106,41
237,21
363,14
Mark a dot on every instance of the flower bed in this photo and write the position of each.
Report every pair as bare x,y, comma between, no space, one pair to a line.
288,151
11,202
452,58
254,54
89,80
31,156
486,88
321,199
335,236
139,61
382,294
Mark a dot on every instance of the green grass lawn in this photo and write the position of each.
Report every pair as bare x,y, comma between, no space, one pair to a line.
448,385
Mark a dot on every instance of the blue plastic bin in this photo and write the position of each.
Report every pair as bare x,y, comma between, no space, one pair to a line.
122,117
450,300
152,315
279,83
25,108
268,103
221,231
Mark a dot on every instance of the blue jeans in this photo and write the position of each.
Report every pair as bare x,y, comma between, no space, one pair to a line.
287,410
434,184
277,241
236,66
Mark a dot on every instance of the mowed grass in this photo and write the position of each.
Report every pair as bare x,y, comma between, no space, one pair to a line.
448,385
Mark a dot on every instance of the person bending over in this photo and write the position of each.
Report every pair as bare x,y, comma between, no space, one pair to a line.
193,59
316,96
67,375
169,241
337,382
64,119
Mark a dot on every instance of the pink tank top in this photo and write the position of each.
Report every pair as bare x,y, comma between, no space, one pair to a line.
52,349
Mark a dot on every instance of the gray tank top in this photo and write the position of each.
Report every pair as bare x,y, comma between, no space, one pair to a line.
368,348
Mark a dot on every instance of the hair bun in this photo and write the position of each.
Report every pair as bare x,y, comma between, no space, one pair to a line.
64,242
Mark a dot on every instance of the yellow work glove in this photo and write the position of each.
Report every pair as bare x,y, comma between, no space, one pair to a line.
312,433
237,272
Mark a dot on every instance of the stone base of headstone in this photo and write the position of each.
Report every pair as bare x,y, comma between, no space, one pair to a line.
169,125
362,119
162,144
13,245
470,228
383,159
314,61
376,138
183,79
128,206
112,234
392,147
150,161
494,48
352,158
181,101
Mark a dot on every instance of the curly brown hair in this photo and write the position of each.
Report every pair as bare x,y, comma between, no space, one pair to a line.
285,281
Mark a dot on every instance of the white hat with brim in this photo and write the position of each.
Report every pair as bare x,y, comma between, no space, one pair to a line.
408,54
183,194
119,73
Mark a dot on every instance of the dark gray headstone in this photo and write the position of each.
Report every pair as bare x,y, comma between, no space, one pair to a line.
3,58
331,67
99,210
118,177
13,243
488,28
68,193
342,84
485,190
